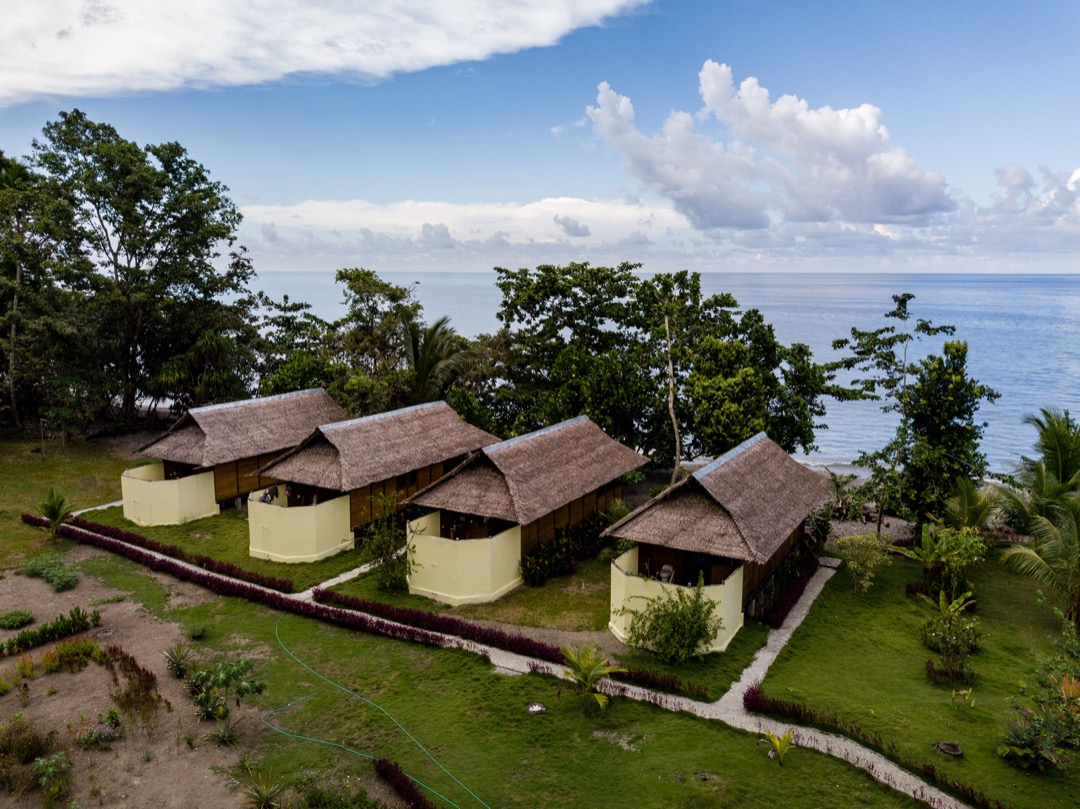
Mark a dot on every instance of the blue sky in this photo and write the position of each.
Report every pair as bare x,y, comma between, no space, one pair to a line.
827,136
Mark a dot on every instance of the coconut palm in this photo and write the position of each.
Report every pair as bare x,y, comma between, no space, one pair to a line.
585,668
435,354
1058,444
1053,556
970,507
1043,483
55,508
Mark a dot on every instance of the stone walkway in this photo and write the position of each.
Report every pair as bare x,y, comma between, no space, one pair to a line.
729,708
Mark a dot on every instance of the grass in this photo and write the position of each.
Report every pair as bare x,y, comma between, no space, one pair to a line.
474,722
860,657
85,474
225,538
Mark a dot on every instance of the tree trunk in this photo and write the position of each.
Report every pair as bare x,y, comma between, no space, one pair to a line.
671,403
11,349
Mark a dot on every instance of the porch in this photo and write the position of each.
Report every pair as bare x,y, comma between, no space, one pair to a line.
153,498
286,529
482,565
632,583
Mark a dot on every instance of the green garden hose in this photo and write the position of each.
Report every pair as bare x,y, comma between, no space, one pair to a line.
364,699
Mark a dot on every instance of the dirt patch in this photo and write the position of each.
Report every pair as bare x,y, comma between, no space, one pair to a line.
172,766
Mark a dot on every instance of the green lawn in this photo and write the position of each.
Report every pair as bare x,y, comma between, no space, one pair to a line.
86,474
861,658
225,538
474,722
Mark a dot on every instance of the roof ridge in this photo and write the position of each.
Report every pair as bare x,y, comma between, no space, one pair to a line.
731,454
534,434
242,402
337,425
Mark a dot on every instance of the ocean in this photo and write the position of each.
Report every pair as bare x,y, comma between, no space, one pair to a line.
1023,334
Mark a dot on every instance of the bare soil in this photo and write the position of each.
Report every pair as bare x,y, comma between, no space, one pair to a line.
173,765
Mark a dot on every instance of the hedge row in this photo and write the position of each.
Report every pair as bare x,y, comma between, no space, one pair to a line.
63,626
406,788
756,700
445,624
656,681
199,560
252,592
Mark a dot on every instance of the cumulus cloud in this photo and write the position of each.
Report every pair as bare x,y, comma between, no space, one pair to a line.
571,227
770,160
98,47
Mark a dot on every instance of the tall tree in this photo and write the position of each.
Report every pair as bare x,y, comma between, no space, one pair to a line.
435,354
154,223
936,436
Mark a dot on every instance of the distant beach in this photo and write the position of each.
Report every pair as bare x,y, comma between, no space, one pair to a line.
1022,332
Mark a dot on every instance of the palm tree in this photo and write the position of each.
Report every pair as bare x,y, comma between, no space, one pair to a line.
1053,557
435,354
1044,482
585,668
970,507
56,509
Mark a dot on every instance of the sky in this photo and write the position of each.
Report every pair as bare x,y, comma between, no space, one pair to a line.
462,135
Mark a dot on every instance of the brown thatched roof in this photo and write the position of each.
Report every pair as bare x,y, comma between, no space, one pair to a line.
743,505
532,475
223,433
351,454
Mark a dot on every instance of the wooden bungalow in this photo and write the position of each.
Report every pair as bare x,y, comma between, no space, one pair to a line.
342,475
494,509
733,523
213,455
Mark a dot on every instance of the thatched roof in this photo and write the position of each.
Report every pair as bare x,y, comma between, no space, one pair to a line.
743,505
224,433
351,454
527,477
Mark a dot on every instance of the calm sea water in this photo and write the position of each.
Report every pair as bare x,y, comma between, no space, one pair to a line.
1023,334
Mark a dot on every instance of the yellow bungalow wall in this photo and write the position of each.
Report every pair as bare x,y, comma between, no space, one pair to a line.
149,499
629,591
298,533
463,571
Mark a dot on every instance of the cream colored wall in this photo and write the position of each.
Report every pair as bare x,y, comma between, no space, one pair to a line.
299,533
149,499
462,571
629,591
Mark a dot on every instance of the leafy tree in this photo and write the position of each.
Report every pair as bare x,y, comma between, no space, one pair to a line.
935,401
1053,557
585,668
153,222
863,554
678,625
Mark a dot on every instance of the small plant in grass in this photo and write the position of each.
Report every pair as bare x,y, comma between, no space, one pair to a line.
50,567
952,634
212,688
16,619
198,632
863,554
54,776
178,659
779,745
678,625
55,509
262,789
585,668
101,733
5,686
21,742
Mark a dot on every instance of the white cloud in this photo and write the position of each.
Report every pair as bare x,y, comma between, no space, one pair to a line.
572,227
772,161
93,47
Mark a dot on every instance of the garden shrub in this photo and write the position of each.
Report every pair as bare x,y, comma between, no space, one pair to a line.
387,539
137,695
101,733
677,625
77,620
863,554
560,555
316,797
50,567
16,619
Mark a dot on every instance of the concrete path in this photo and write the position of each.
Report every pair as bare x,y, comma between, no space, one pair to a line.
728,709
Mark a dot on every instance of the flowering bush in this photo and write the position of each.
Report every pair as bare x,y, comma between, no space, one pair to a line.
101,733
